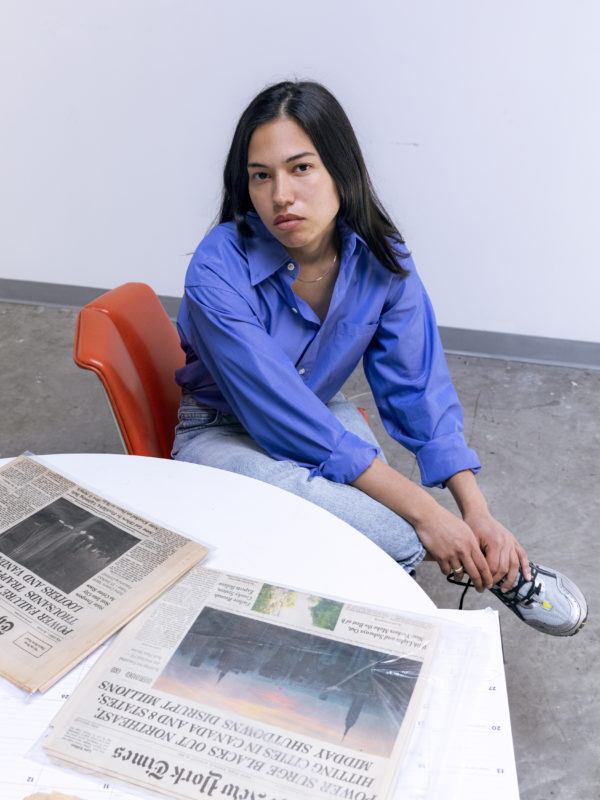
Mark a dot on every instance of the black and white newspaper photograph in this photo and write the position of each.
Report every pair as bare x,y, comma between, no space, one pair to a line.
74,568
64,544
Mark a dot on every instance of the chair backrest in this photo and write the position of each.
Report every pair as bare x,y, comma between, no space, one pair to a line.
127,339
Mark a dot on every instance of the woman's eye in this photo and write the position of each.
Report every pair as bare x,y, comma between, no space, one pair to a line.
260,176
303,167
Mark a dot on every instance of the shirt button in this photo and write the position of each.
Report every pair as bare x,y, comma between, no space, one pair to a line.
301,371
291,266
294,310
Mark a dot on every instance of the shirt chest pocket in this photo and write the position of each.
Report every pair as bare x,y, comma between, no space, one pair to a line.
355,334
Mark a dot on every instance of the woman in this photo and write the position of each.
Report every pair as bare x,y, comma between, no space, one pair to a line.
304,275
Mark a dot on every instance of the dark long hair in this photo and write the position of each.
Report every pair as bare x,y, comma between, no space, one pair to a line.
323,119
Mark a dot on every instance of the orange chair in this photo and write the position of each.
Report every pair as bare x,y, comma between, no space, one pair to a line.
127,339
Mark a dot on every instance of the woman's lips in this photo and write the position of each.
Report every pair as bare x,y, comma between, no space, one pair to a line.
288,224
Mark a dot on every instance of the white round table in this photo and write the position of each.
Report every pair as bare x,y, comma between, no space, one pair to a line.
252,528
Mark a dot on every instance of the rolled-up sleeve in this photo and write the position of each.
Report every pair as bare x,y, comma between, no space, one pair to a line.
263,388
408,374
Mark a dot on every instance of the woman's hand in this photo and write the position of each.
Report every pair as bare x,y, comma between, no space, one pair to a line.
503,553
482,546
447,539
453,544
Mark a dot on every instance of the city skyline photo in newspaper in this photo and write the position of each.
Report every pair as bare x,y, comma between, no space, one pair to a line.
330,690
64,544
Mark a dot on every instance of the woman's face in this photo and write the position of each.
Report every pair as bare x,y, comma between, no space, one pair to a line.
290,188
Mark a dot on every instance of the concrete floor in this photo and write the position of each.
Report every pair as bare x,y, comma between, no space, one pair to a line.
537,432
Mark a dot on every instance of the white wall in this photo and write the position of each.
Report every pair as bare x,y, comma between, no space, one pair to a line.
479,119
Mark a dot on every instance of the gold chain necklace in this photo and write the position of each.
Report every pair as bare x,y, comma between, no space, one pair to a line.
320,278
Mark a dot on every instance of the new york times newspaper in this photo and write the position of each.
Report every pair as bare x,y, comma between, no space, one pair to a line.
229,687
73,569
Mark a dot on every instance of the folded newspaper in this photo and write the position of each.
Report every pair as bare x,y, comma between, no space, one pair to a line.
230,687
74,568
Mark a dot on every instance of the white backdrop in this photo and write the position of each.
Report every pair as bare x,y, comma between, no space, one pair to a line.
479,120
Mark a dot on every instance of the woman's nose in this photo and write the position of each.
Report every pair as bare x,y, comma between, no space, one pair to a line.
282,191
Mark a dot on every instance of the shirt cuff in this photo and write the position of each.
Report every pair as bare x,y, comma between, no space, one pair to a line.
349,460
443,457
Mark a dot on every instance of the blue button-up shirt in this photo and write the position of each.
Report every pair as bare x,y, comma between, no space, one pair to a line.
257,350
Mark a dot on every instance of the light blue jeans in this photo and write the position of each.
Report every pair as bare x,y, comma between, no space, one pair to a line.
214,439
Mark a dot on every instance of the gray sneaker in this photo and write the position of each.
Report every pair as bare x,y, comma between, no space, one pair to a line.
549,602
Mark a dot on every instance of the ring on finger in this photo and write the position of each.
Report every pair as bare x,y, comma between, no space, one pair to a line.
458,570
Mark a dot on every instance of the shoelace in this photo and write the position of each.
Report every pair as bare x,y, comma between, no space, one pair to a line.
511,597
467,584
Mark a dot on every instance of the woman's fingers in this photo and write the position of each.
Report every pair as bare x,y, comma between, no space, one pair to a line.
454,546
512,572
473,564
519,562
456,567
504,554
503,565
524,560
445,566
478,570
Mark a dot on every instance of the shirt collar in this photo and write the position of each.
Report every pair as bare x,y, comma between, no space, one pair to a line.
266,255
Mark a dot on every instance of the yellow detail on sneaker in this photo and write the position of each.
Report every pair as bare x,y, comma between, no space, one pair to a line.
547,605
